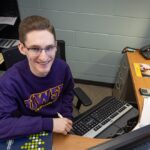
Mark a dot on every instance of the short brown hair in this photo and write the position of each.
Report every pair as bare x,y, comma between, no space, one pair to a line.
34,23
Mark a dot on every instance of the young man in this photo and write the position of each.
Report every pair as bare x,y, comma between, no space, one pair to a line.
34,90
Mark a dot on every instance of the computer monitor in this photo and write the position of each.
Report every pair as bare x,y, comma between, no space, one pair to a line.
9,8
134,140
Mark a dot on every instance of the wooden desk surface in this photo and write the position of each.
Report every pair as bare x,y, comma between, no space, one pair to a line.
74,142
138,82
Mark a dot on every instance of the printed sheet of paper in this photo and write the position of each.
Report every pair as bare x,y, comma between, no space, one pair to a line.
145,116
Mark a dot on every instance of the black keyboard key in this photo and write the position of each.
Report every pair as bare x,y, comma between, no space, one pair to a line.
97,127
105,121
114,115
121,109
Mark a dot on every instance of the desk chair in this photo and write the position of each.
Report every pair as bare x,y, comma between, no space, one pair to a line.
12,56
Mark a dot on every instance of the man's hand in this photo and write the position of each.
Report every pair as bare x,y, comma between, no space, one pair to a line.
62,125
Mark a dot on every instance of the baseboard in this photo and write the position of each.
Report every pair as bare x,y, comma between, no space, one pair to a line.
111,85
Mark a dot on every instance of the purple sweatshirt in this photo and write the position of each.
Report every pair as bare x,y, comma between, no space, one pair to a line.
28,103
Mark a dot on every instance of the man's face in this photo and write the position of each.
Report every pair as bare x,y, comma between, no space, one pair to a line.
40,49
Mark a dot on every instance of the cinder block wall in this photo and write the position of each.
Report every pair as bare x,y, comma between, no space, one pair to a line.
95,31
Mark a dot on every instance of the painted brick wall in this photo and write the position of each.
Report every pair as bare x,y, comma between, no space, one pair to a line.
95,31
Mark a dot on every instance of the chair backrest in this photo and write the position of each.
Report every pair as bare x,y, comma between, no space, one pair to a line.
12,55
61,50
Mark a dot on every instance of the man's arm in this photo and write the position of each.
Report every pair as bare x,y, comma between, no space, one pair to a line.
11,127
67,96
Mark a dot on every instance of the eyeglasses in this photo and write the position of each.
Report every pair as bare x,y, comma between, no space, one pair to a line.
38,50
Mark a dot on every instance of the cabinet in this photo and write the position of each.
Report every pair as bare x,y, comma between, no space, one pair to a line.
123,87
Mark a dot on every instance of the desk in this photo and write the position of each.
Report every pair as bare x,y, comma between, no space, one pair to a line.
74,142
138,82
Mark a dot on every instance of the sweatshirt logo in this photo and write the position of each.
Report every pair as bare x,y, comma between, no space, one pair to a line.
37,101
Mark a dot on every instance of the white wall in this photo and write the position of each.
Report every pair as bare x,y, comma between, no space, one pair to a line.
95,31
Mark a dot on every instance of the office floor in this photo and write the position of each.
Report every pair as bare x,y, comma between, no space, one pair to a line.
96,93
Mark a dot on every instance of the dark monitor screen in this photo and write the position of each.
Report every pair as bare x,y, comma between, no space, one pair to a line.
135,140
9,8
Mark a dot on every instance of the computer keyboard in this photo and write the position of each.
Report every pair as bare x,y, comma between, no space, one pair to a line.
100,117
